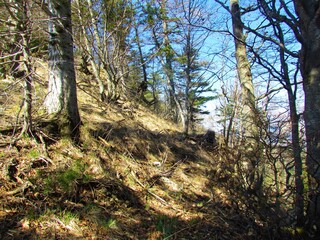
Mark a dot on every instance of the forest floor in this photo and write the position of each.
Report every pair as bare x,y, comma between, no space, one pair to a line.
134,176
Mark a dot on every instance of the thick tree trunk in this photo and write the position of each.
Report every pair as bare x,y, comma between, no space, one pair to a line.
250,116
62,96
309,15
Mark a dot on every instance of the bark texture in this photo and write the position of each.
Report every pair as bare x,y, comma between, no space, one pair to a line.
309,16
62,96
250,116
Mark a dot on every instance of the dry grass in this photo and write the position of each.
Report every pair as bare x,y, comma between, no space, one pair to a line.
134,176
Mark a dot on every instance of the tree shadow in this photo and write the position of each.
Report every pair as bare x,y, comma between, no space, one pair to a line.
112,207
11,224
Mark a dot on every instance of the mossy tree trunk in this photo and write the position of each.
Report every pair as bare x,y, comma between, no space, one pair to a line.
61,100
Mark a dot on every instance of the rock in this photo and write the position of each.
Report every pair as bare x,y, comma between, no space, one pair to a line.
172,186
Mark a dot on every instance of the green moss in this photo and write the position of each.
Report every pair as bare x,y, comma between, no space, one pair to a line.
34,153
68,179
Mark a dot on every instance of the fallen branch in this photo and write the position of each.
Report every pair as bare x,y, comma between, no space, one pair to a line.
19,189
164,202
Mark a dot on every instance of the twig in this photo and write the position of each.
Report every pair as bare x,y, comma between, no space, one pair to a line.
44,146
144,187
153,194
181,230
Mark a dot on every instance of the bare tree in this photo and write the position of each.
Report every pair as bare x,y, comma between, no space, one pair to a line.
104,43
88,47
28,72
144,83
272,34
18,57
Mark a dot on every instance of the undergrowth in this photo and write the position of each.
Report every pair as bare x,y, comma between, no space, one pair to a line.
134,176
67,179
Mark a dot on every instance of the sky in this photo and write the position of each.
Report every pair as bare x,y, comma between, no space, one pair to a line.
222,47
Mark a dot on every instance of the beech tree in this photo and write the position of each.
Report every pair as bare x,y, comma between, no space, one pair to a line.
61,100
250,115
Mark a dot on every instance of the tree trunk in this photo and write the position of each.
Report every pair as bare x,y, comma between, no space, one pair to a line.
121,62
95,68
273,15
175,105
309,15
21,63
294,119
62,96
28,78
90,52
188,53
14,7
144,84
249,112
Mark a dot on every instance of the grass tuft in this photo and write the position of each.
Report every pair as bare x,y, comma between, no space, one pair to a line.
166,226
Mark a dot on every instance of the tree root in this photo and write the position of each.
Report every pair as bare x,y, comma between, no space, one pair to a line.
19,189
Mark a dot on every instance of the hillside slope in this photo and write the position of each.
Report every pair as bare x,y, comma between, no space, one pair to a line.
134,176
